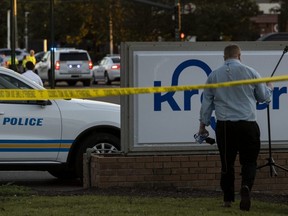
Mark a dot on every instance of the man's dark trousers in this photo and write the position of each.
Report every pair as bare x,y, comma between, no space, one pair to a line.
234,137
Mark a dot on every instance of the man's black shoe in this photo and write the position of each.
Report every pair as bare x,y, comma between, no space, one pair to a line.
227,204
245,202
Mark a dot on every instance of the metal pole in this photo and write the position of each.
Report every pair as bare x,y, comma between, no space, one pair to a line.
9,29
15,24
12,34
52,57
26,30
111,29
177,19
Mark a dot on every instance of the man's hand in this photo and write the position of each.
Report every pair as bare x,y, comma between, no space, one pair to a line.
202,129
270,85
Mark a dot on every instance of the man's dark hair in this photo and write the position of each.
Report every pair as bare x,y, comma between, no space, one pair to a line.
232,51
29,65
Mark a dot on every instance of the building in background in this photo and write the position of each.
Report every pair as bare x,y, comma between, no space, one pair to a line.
267,22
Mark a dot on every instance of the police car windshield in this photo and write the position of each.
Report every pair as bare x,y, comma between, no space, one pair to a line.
116,60
8,82
74,56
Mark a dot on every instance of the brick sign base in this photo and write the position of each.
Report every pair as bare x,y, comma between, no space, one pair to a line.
177,171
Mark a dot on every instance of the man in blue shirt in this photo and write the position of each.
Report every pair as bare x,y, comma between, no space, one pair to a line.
236,128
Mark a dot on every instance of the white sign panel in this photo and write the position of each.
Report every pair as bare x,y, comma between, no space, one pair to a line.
172,118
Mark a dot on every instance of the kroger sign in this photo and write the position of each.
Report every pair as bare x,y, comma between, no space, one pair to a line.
172,118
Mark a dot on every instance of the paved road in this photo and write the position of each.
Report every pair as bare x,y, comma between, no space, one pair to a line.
42,180
39,180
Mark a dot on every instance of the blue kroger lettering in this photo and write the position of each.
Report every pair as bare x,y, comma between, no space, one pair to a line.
276,96
168,97
277,92
23,121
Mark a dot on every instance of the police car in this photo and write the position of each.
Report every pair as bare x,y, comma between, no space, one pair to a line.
52,135
71,65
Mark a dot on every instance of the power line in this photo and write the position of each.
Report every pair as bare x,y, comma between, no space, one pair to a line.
156,4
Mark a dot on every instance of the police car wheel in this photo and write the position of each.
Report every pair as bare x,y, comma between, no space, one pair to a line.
94,80
72,82
102,143
107,79
86,82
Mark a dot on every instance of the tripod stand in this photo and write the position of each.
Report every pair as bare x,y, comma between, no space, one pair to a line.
271,163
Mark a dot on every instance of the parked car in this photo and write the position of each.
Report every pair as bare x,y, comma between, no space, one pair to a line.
2,61
71,65
19,53
275,36
39,56
52,135
5,61
108,70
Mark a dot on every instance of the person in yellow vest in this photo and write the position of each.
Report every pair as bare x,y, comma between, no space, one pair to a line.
24,61
30,57
9,63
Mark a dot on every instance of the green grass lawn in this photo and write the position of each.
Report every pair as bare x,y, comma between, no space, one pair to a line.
19,201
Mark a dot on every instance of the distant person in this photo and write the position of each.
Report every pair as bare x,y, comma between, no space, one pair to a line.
24,61
31,74
9,64
31,57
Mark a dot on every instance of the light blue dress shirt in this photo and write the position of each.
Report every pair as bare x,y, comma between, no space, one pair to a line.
237,102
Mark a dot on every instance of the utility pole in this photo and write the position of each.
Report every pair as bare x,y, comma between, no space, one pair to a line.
9,29
26,30
52,49
111,29
177,19
13,5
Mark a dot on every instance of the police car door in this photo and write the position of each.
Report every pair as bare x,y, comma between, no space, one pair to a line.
29,131
101,69
43,66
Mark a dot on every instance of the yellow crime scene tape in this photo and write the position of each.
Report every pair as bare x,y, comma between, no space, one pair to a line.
25,94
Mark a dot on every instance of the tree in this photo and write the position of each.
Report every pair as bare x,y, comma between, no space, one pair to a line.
5,6
85,23
221,20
